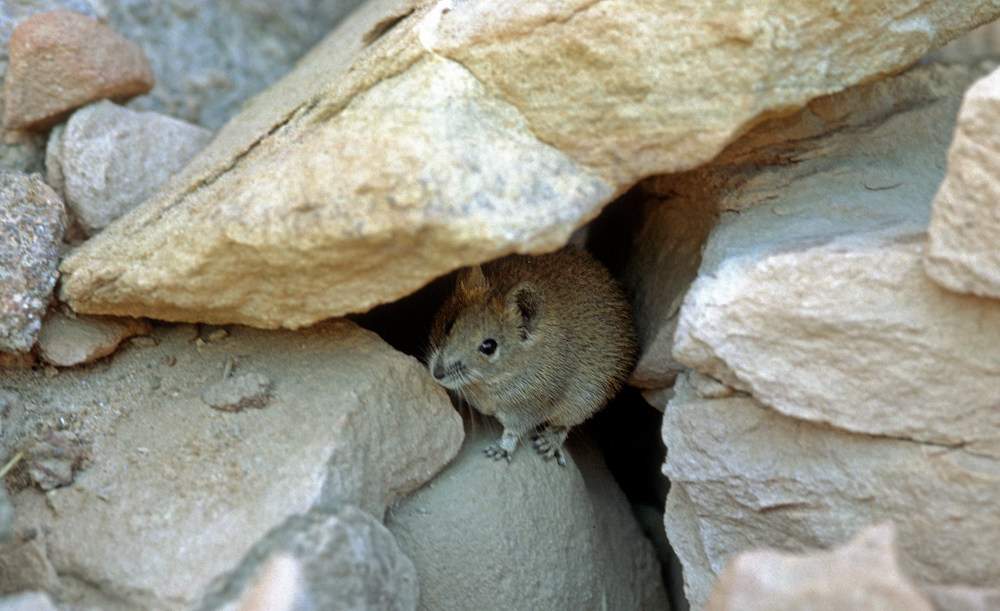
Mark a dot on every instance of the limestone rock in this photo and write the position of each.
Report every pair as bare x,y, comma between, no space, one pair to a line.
190,489
26,601
419,137
61,60
864,161
795,485
32,222
236,393
963,598
66,341
107,159
487,534
337,561
816,303
965,227
860,574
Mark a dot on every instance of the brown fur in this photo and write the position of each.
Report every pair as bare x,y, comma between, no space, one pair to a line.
564,344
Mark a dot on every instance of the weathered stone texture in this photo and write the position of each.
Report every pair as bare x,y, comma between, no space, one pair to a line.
421,137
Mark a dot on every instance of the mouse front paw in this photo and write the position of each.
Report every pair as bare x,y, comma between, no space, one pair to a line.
548,442
496,452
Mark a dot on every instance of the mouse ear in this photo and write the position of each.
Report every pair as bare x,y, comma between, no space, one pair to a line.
471,280
525,305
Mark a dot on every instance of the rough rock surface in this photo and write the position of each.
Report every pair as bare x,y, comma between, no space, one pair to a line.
188,489
965,223
493,535
865,161
107,159
745,476
863,573
32,222
27,601
61,60
233,394
342,561
817,303
66,341
469,119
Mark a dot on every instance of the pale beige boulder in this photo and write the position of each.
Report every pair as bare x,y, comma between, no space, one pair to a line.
489,534
61,60
863,573
423,136
812,295
175,493
964,253
71,340
867,161
744,476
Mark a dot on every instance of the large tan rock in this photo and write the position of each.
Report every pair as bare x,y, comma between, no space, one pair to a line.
421,136
175,493
964,253
745,476
61,60
816,302
528,534
863,573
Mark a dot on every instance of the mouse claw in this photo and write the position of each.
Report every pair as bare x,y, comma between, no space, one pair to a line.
496,452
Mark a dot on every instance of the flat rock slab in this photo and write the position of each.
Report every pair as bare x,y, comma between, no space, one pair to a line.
745,476
423,136
813,297
964,230
187,489
61,60
32,223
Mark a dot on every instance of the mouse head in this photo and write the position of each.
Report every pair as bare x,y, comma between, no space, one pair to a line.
486,330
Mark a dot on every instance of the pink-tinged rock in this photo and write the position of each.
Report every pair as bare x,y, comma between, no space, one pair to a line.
965,220
32,222
863,573
61,60
66,341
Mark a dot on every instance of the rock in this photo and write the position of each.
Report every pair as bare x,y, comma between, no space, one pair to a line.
32,222
6,516
66,341
963,598
488,534
55,457
816,303
794,204
980,43
61,60
964,227
190,489
745,476
241,392
469,118
26,601
339,561
861,574
107,159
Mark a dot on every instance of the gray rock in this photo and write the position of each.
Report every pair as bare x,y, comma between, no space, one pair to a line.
6,516
107,159
27,601
492,535
346,560
237,393
32,223
66,341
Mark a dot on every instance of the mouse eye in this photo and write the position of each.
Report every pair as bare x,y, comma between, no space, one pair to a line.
488,347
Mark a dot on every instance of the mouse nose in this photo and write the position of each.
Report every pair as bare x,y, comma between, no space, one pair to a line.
438,371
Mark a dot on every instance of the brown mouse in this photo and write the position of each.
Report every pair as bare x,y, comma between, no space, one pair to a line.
540,342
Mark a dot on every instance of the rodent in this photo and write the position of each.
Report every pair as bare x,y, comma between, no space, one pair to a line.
540,342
